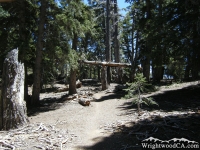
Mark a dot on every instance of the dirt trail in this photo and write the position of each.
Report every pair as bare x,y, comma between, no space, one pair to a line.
89,125
102,113
86,123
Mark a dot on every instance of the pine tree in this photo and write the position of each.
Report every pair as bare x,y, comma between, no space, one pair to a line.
77,20
135,89
39,47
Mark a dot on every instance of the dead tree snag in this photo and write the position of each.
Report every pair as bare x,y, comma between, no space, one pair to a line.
12,104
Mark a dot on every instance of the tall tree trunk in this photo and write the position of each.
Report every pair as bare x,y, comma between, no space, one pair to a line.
12,104
108,37
135,53
146,68
104,78
187,72
23,45
99,58
37,70
133,50
146,61
158,68
25,82
135,57
195,49
72,82
117,43
98,73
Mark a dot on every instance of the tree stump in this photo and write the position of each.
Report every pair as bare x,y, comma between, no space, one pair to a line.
12,105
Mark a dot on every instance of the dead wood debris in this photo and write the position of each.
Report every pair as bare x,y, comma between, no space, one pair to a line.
84,102
150,123
37,136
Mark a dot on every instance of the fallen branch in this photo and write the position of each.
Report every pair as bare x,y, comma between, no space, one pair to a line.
40,147
4,143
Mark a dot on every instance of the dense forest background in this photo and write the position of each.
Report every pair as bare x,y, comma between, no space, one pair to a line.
54,35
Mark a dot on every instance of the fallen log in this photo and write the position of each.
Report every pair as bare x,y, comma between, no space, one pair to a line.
110,64
84,102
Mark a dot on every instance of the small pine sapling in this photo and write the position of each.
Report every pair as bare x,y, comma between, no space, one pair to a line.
135,89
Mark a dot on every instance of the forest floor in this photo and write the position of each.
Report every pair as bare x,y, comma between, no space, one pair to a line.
110,122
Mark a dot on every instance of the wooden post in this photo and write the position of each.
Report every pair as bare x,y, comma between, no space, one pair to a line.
12,104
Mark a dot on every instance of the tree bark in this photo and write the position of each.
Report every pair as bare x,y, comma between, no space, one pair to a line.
23,45
12,104
117,43
136,57
72,82
146,68
158,68
116,38
195,59
37,70
104,83
108,37
135,51
146,61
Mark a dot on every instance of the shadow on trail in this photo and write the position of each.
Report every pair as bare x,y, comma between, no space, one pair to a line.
47,104
131,135
176,125
185,99
110,96
116,91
